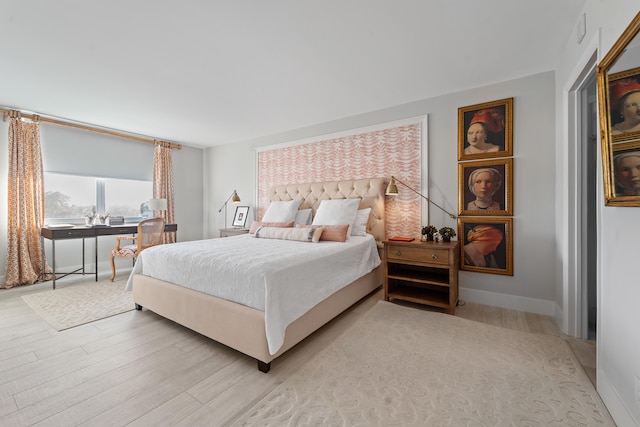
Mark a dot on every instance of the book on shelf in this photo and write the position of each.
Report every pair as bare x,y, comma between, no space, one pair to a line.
402,239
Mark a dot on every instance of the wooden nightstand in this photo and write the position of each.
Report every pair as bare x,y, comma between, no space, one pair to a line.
422,272
226,232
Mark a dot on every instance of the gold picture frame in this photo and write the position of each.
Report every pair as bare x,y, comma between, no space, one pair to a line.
485,187
618,77
626,168
486,245
621,86
486,130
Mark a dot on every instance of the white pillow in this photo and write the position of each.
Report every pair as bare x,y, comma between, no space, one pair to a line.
337,212
303,216
281,211
360,224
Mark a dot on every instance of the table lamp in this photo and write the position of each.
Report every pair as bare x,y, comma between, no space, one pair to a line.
157,205
234,199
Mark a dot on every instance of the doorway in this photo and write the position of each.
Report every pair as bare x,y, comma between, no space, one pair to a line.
587,206
582,214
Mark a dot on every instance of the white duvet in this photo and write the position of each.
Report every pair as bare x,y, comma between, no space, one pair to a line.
283,278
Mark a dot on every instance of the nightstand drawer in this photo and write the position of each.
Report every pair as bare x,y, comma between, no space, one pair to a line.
419,254
228,232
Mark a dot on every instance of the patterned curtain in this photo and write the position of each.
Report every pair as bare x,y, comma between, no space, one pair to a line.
26,203
163,184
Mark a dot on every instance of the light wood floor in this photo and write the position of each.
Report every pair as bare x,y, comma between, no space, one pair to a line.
139,369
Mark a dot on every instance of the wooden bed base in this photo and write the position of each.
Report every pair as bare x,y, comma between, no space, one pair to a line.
237,326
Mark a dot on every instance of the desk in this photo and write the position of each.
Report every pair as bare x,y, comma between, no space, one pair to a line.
84,232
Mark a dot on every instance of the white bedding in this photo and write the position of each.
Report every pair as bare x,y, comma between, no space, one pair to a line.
283,278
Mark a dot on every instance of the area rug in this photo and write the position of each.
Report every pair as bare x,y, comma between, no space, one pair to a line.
77,304
403,366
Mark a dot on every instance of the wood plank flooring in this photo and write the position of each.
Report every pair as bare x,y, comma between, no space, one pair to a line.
139,369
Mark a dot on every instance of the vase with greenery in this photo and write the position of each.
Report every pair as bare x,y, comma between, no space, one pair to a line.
446,233
428,232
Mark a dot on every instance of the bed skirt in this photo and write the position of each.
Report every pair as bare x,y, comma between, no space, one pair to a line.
237,326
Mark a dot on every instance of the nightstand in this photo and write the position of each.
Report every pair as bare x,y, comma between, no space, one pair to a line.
227,232
422,272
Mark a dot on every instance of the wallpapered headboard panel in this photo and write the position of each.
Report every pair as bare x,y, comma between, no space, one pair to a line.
376,154
371,191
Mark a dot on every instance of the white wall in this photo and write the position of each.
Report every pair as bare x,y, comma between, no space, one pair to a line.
188,169
618,346
188,182
532,286
231,168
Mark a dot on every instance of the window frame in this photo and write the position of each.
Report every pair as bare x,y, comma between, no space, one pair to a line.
100,201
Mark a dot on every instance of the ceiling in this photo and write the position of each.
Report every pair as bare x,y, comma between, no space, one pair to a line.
211,72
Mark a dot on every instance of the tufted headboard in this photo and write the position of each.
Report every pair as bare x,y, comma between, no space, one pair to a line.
371,191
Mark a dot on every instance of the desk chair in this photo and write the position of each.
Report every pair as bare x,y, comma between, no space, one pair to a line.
150,233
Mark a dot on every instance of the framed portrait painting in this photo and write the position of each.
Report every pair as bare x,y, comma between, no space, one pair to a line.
626,171
486,245
486,187
624,99
240,217
485,130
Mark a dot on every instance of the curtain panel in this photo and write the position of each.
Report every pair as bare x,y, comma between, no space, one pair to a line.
25,261
163,184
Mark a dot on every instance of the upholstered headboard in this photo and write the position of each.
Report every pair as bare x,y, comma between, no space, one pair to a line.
370,190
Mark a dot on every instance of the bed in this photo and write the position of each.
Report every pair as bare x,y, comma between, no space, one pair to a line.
247,326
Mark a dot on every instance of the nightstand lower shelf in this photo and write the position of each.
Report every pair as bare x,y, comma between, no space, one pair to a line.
411,294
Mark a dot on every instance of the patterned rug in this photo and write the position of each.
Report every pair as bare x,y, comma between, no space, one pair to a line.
405,366
77,304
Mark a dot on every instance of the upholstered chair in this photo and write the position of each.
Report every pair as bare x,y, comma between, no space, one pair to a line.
149,234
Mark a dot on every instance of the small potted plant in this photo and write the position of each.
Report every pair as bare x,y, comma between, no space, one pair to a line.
446,233
103,218
428,231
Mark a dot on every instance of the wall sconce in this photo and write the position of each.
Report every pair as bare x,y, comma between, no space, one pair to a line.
157,205
392,190
234,198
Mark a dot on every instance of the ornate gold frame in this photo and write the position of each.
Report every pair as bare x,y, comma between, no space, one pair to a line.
504,251
504,194
616,144
465,115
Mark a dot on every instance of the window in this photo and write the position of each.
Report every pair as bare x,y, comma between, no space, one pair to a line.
73,197
127,198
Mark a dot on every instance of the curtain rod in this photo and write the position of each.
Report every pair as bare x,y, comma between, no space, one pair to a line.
37,117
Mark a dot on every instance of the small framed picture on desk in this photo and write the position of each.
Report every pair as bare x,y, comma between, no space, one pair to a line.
240,218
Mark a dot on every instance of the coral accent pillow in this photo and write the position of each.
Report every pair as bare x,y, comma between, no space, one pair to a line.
257,224
311,234
334,233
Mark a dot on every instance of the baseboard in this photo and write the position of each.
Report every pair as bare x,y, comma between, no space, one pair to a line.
618,410
514,302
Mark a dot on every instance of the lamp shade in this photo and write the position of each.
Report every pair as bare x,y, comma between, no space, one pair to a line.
158,204
235,198
392,188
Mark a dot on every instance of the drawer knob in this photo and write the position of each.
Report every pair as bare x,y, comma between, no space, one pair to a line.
398,252
434,256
